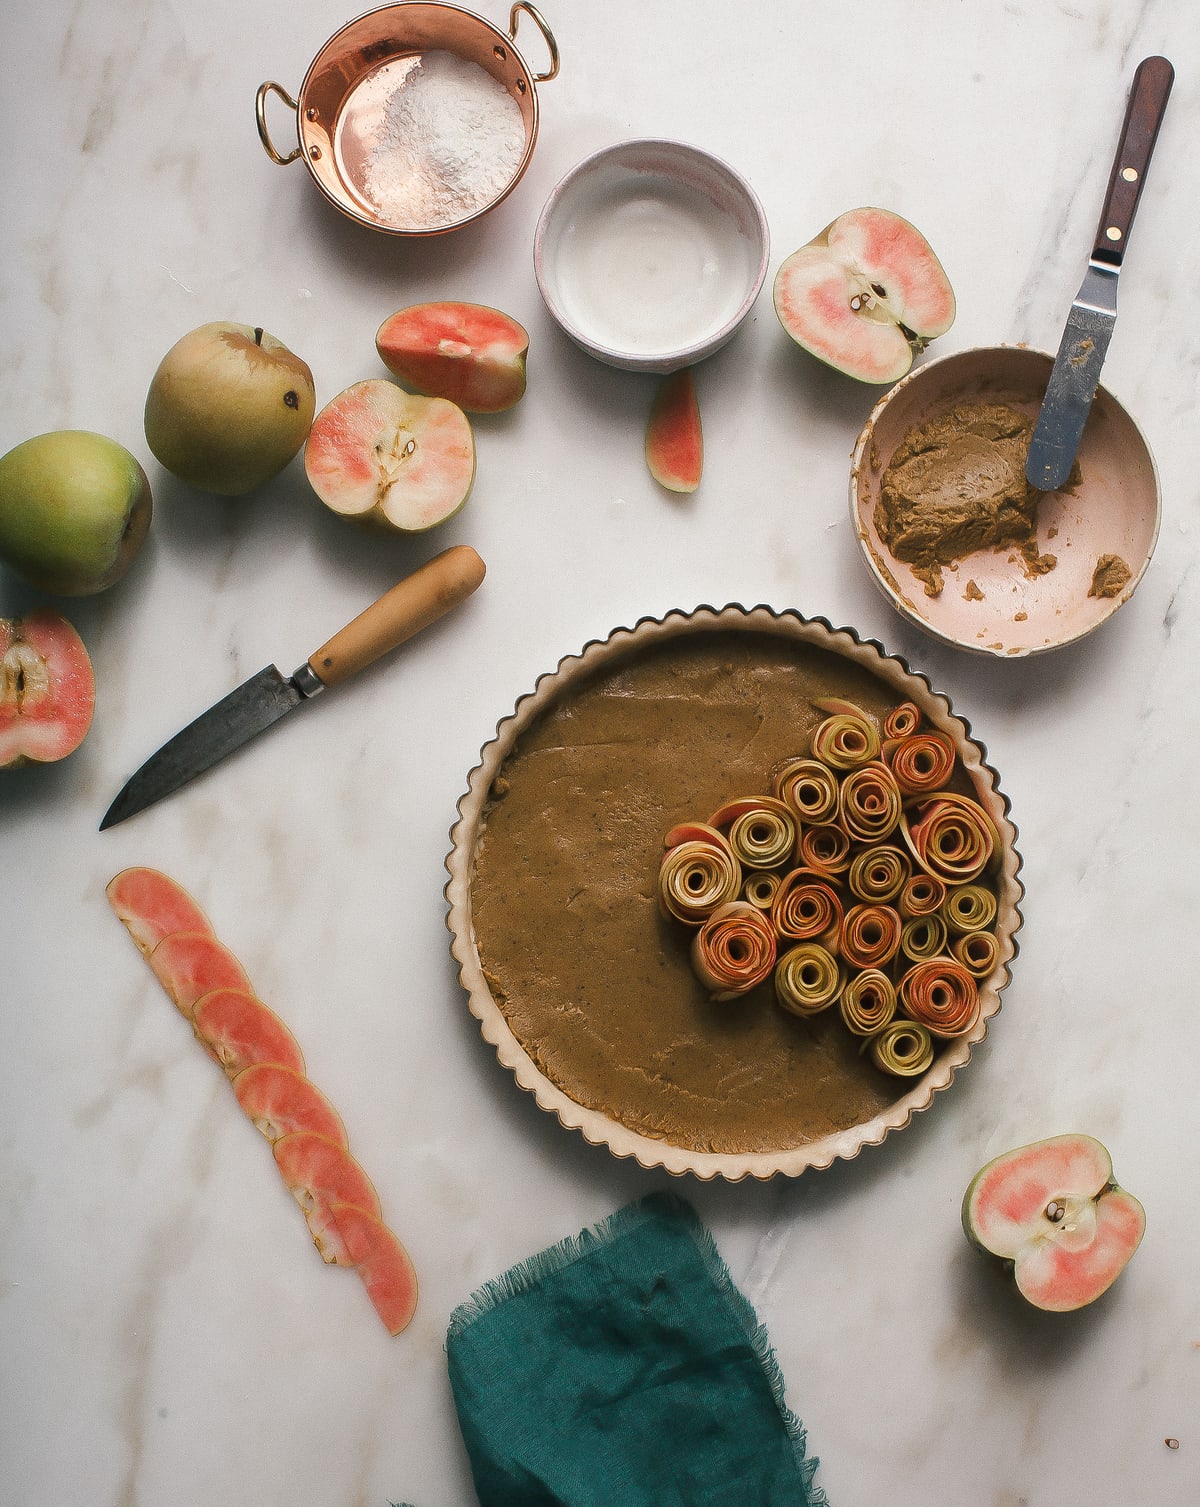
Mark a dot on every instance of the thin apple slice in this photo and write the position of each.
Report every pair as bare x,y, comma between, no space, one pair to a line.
469,353
382,1263
318,1172
47,689
190,964
152,906
865,295
381,455
239,1030
1052,1212
281,1100
674,437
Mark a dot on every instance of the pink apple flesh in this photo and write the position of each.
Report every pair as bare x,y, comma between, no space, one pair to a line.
47,689
190,964
318,1172
470,354
381,455
1053,1211
151,906
281,1100
865,295
381,1262
239,1030
674,437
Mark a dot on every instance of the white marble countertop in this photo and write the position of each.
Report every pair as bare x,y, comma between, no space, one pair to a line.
169,1336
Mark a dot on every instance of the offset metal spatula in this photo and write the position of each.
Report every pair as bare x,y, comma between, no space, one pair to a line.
258,703
1076,372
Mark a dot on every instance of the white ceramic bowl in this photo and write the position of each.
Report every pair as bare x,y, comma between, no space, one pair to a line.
649,254
989,602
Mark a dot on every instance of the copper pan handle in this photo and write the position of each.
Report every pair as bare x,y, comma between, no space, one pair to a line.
547,35
260,113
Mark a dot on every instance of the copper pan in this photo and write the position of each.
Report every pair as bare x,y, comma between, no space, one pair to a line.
348,82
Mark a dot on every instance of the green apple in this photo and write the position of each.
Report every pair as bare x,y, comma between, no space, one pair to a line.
228,407
74,511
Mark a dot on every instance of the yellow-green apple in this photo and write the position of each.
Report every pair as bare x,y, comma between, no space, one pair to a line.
228,407
47,689
74,511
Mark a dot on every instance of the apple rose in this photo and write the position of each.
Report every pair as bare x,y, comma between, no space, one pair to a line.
806,906
734,950
870,803
846,738
826,848
921,895
941,995
698,873
809,787
870,935
950,836
878,874
758,888
920,762
807,979
923,937
969,907
762,831
902,720
903,1048
867,1002
977,951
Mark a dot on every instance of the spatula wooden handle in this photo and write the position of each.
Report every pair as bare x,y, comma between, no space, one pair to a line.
1143,117
420,599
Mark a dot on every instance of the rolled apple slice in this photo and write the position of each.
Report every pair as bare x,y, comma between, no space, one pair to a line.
950,836
734,951
870,935
921,895
806,906
903,1048
869,802
762,830
280,1100
809,787
47,689
923,937
921,761
826,848
977,951
698,873
190,964
867,1002
865,296
239,1030
1054,1214
381,455
940,995
674,435
151,906
877,874
381,1262
468,353
759,888
319,1172
846,738
902,721
807,979
969,907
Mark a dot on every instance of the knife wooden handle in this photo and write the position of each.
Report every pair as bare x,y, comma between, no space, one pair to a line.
1143,116
417,601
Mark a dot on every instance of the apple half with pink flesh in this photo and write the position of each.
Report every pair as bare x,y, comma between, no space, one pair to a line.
1053,1211
152,906
865,296
674,437
381,455
469,353
47,689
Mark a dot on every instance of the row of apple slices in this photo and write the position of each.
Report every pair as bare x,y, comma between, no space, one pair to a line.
266,1068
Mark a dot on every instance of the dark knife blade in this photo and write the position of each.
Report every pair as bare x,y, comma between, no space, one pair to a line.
1076,371
258,703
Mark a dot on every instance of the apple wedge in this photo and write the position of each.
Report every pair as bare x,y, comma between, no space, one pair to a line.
238,1030
381,455
280,1100
865,296
1053,1213
151,906
674,438
381,1262
47,689
190,964
468,353
318,1172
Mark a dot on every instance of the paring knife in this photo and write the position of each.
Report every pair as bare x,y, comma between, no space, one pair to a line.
417,601
1076,371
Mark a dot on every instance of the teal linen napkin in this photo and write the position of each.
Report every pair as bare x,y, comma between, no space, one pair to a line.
623,1368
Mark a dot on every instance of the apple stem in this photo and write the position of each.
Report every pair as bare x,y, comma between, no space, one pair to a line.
258,334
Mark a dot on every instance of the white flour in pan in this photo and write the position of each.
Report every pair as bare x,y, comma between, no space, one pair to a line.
450,139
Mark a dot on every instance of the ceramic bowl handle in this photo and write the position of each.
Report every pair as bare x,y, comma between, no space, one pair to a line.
260,112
